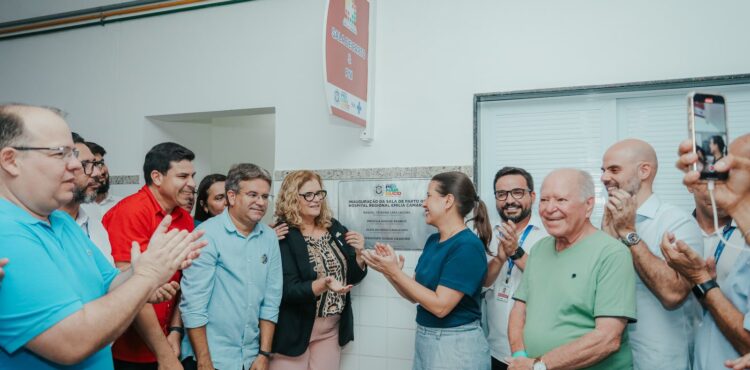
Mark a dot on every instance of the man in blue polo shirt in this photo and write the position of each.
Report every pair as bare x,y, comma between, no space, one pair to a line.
227,330
62,303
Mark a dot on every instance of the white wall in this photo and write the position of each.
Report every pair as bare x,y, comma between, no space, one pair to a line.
432,57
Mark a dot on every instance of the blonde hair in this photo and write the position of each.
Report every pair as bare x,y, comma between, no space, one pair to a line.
287,202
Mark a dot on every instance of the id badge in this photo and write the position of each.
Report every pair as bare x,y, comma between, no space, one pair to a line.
503,295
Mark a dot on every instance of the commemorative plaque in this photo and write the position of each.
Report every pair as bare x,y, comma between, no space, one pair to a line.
387,211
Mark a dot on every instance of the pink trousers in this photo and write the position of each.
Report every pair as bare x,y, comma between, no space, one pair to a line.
323,353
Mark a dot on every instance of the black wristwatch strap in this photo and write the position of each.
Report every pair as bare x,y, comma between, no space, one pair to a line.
519,253
700,290
178,329
264,353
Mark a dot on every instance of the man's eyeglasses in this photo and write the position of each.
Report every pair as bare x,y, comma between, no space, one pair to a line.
255,196
310,196
516,193
62,152
88,166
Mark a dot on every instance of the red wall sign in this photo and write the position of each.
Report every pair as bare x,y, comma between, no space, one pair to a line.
346,52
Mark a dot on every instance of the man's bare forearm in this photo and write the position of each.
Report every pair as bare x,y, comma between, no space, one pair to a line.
729,320
516,323
147,325
96,325
199,342
669,287
585,351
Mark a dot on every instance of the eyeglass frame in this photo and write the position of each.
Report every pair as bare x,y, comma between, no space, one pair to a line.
506,192
91,164
313,194
71,151
254,196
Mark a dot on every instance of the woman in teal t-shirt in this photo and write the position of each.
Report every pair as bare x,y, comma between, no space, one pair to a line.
448,278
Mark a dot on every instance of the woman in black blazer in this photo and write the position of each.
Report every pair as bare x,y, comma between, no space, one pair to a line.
321,261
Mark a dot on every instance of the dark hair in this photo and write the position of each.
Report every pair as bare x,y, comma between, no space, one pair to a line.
77,139
460,186
11,126
245,172
719,141
202,198
505,171
96,148
161,156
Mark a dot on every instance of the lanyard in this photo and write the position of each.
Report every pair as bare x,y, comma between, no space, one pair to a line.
728,230
511,264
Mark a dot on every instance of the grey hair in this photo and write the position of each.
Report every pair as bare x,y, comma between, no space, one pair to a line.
586,183
245,172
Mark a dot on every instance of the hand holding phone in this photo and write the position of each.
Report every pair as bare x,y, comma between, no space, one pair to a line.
707,126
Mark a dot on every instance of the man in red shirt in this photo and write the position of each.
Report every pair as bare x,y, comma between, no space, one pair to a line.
153,340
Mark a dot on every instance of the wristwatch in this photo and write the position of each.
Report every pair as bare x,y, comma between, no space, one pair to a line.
518,254
700,290
631,239
265,354
539,365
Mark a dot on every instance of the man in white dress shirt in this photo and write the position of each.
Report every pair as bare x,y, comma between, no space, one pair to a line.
662,336
514,238
84,192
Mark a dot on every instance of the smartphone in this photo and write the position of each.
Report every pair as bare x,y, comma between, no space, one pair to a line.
707,126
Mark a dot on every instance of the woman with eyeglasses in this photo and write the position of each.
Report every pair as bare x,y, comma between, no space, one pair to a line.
322,260
211,197
448,278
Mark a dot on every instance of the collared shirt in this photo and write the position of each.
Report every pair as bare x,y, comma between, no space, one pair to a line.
661,339
135,218
94,229
54,270
107,203
498,298
711,346
235,283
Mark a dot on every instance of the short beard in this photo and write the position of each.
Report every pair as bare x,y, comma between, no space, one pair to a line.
80,196
525,212
103,187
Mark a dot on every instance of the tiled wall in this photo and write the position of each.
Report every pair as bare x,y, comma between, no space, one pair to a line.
383,324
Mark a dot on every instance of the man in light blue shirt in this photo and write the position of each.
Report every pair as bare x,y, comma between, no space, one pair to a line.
725,331
662,336
62,303
231,294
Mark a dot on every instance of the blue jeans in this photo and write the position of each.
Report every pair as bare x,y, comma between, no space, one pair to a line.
461,348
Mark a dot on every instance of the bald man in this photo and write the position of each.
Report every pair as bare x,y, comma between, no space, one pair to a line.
662,337
725,331
578,289
62,303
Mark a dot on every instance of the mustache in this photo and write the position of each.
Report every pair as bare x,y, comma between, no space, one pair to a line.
508,205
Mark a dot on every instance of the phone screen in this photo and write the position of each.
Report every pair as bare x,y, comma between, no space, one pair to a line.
709,131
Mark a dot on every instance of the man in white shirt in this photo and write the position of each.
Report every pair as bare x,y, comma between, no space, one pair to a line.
104,200
514,238
662,336
85,192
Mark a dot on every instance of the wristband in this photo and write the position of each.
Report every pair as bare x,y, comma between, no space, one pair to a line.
265,354
521,353
700,290
178,329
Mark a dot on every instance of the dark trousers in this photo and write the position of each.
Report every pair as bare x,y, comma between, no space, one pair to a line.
124,365
496,364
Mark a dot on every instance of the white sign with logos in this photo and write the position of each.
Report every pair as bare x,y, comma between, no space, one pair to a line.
386,211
